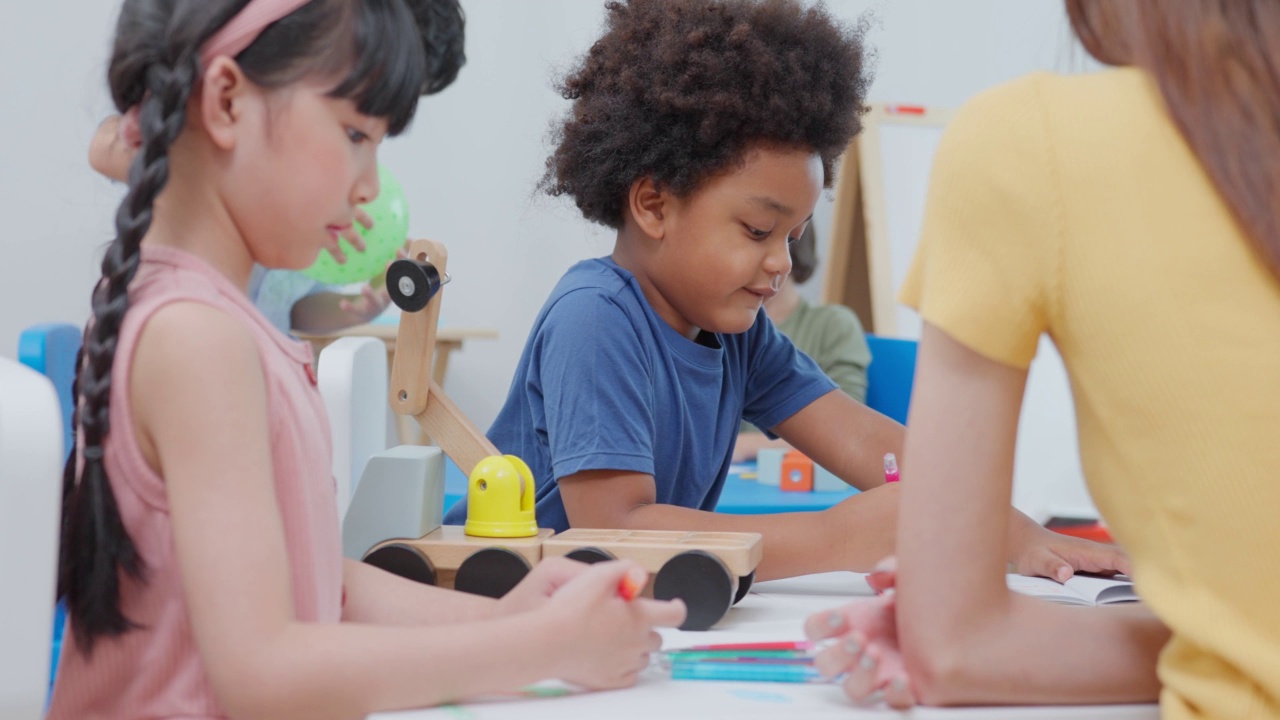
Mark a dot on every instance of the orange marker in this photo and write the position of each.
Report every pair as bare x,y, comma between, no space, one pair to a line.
632,583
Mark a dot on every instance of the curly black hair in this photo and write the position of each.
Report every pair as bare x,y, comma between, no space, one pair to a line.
679,90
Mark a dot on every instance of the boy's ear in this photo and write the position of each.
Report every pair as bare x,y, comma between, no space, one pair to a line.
648,206
223,98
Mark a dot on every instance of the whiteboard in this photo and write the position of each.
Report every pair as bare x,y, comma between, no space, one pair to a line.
896,152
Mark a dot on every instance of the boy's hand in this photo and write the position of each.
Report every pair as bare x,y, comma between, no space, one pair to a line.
605,640
1035,550
866,650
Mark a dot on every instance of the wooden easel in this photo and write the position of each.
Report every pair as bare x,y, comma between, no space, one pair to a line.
859,267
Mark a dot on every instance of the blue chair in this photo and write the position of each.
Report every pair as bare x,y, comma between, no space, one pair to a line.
890,376
50,349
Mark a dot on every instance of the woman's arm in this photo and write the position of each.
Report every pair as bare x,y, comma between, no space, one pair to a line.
965,636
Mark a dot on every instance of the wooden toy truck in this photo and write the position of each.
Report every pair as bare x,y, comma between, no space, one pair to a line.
709,571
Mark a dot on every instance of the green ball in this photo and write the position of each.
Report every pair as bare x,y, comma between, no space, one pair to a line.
390,214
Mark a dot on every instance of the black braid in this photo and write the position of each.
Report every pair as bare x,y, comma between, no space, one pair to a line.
95,545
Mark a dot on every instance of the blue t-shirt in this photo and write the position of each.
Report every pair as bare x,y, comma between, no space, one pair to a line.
605,384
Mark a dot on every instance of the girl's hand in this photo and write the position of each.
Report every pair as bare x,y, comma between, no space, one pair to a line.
866,649
605,640
540,585
1035,550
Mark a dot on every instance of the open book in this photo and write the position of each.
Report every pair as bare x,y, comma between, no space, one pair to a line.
1079,590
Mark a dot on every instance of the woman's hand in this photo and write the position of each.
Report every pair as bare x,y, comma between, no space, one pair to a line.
865,650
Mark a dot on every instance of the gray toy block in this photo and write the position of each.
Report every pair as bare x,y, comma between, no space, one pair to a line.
400,495
769,466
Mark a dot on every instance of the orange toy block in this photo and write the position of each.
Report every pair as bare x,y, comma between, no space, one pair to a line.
797,472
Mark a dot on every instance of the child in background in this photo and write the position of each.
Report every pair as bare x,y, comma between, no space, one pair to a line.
1131,215
201,557
829,334
292,301
641,365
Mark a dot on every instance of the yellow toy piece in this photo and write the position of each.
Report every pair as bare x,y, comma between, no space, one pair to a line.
500,499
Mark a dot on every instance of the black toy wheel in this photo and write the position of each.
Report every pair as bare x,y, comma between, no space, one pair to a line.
704,584
412,283
491,572
406,561
590,555
744,586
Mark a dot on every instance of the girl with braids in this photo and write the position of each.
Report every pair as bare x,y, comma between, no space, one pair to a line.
1132,215
201,558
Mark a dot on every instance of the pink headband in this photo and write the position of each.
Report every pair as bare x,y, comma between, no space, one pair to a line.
245,27
238,34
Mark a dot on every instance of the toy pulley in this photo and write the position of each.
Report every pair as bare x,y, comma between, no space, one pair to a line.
412,283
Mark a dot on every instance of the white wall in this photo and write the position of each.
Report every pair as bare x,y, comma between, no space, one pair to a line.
469,165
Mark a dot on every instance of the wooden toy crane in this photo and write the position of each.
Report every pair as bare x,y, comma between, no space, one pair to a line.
709,571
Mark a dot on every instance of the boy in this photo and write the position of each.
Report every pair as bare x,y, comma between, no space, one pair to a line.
640,366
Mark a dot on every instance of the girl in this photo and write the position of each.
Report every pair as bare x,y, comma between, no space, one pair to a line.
201,560
1132,215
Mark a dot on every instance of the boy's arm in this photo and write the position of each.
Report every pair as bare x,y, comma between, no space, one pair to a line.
845,437
852,535
849,439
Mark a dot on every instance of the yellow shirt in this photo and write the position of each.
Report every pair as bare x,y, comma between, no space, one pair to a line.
1070,205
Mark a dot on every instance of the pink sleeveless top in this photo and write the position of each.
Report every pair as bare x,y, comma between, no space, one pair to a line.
155,672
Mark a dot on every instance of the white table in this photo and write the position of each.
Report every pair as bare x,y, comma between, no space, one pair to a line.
772,611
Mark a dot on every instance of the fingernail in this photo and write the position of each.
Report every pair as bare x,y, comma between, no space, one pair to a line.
899,683
853,647
867,662
834,620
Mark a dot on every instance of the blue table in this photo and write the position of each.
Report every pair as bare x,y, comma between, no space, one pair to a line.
739,497
748,497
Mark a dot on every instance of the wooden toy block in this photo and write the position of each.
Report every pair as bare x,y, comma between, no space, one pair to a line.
740,552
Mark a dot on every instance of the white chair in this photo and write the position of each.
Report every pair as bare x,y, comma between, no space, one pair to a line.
31,458
352,376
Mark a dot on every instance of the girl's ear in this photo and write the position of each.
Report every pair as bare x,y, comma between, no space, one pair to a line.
649,207
223,96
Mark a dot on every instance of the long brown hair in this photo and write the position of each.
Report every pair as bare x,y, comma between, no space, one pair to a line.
1217,63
